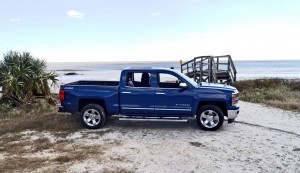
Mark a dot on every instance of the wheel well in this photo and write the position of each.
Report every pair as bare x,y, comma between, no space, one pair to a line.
84,102
221,105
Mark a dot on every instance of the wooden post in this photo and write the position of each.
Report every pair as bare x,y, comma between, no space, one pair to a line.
209,69
228,65
217,63
201,68
194,69
181,66
187,69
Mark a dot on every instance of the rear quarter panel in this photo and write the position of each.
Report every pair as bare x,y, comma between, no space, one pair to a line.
73,95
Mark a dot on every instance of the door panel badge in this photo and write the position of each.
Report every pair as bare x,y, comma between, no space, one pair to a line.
69,88
183,105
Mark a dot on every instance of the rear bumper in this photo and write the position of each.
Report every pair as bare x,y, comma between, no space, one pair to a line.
232,114
61,109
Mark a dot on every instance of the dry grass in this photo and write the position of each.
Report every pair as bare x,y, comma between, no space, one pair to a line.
117,170
25,154
19,164
36,150
19,146
39,116
62,124
63,159
41,144
16,147
21,152
16,151
276,92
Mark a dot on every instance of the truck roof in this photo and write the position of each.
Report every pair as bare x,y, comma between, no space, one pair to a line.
148,68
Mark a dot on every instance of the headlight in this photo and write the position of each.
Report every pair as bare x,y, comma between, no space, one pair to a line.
235,99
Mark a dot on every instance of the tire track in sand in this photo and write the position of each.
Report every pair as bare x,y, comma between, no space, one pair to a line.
269,128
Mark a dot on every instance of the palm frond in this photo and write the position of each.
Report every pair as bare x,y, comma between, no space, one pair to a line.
23,76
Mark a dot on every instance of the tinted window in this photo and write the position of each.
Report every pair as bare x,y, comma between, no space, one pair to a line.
166,80
140,79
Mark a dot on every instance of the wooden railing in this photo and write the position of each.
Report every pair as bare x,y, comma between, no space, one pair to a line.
215,69
229,66
192,67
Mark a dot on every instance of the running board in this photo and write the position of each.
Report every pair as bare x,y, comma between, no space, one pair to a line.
145,118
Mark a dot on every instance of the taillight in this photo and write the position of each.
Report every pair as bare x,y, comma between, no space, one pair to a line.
62,95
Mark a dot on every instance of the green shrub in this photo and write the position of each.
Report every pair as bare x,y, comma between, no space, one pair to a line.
23,77
275,92
4,107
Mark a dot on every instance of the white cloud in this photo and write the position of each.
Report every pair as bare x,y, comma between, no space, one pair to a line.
15,20
155,13
75,14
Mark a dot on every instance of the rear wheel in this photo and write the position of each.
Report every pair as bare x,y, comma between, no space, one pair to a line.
92,116
210,117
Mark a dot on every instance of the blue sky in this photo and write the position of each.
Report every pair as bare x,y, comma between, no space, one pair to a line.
150,30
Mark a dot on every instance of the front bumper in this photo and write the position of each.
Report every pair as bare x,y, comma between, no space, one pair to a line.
232,114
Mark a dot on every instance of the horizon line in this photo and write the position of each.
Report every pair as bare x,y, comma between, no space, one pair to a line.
157,61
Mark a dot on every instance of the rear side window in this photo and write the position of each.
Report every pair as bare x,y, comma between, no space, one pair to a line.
139,79
166,80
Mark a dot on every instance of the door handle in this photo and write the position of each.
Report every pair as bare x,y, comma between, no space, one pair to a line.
160,93
126,92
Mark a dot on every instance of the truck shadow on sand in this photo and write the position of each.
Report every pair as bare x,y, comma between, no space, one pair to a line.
151,124
157,124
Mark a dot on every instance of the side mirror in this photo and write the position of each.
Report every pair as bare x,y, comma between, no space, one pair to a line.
183,85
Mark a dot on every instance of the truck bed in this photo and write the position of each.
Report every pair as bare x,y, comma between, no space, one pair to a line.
98,83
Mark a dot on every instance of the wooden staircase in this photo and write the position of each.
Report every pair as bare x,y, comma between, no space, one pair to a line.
214,69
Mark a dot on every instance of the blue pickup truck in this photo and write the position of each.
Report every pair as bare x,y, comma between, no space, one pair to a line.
150,93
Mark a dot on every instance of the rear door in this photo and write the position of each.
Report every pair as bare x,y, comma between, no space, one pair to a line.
170,99
137,94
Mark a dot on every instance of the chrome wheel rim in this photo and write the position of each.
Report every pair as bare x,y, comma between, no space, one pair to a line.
91,117
209,119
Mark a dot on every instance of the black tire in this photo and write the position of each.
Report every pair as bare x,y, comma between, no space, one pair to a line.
92,116
215,119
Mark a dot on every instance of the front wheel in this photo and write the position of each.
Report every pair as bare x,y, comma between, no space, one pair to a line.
210,117
92,116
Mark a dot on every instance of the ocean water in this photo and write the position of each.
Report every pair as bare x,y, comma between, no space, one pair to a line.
111,70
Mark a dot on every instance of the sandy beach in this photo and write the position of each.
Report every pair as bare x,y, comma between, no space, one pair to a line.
263,139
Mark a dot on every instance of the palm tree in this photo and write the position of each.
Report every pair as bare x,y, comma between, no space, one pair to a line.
23,77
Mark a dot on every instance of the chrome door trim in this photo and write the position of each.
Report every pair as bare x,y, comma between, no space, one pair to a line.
137,108
126,92
159,109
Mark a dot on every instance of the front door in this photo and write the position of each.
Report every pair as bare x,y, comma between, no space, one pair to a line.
170,99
